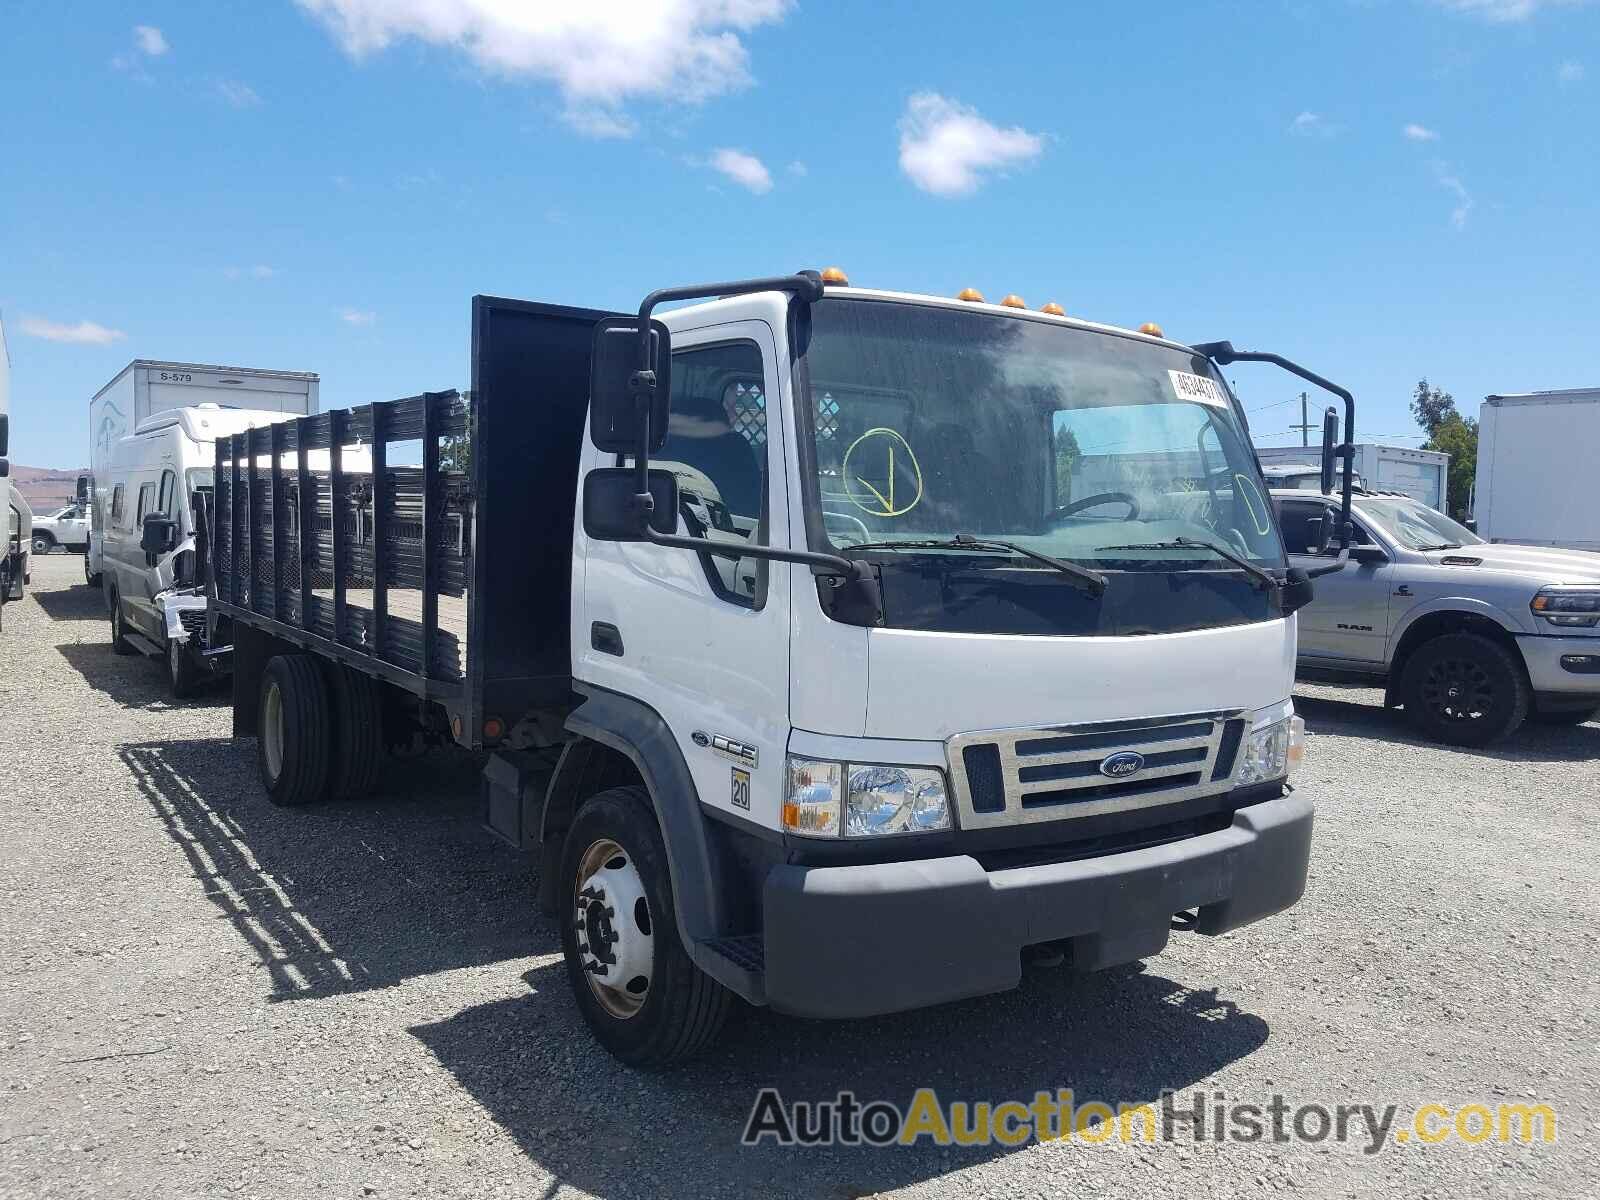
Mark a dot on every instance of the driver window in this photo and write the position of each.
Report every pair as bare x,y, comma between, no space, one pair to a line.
717,446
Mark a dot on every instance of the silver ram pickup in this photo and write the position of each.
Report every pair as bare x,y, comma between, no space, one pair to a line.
1470,638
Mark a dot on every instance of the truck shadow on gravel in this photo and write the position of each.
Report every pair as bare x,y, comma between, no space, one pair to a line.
1121,1036
1531,743
77,603
134,681
344,896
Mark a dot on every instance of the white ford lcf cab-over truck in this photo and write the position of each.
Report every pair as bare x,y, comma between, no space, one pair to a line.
812,674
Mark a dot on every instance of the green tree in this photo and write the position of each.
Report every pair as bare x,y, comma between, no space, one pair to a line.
1451,433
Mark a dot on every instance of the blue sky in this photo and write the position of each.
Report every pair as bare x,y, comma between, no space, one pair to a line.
1381,189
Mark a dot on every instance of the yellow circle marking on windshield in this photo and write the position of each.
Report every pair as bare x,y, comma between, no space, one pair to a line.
1247,488
883,503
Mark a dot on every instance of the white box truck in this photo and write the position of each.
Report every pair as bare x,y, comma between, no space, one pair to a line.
18,516
1536,462
146,388
1421,474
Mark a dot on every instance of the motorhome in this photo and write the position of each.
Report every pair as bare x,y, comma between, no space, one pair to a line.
151,472
813,671
15,549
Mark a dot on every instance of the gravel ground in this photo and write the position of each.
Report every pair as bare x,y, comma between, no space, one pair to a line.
207,996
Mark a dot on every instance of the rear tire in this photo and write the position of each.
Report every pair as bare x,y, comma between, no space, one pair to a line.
293,731
1465,690
119,640
669,1009
1571,716
43,543
358,749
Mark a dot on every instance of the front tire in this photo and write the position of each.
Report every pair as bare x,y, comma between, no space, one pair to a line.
1465,690
618,919
43,543
184,676
293,731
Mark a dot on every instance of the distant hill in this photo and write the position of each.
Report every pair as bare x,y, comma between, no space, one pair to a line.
46,487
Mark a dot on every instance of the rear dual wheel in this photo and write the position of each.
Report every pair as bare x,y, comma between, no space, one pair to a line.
319,731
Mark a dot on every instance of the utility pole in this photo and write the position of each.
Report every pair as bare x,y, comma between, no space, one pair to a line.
1305,425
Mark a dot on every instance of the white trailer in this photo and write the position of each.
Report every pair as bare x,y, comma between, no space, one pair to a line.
1536,455
18,528
1421,474
146,388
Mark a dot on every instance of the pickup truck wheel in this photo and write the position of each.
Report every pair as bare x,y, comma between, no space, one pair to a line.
359,748
183,672
119,641
640,993
43,543
89,576
1571,716
1465,690
293,731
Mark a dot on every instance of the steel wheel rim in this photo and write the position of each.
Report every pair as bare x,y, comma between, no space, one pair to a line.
1458,691
272,730
614,928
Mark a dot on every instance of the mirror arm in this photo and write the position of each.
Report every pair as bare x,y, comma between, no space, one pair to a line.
1319,572
821,564
1223,354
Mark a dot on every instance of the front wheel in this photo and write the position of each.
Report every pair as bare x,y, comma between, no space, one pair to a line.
1464,689
119,630
640,993
43,543
183,672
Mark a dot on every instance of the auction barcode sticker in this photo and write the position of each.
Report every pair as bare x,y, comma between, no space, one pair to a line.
1197,388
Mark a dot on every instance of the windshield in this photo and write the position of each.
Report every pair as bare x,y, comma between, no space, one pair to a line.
1416,526
1093,447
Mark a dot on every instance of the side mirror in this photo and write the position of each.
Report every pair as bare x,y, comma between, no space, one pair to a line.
617,385
1319,533
1471,524
83,490
1330,435
5,434
158,534
1297,591
609,507
5,468
1368,555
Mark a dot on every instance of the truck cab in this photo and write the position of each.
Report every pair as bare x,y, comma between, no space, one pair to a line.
1470,638
67,527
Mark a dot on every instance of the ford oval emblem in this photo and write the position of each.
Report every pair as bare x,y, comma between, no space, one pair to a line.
1121,765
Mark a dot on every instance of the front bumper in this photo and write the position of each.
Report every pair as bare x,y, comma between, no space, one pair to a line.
1546,671
856,941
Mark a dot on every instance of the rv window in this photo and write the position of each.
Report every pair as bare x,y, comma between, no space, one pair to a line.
116,503
147,503
169,495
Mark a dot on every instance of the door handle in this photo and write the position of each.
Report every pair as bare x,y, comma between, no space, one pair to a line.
606,638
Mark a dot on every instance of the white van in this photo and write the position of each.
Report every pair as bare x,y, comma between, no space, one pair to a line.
14,550
146,484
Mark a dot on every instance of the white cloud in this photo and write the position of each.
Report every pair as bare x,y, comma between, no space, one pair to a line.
84,333
597,121
595,53
746,170
1420,133
1569,71
355,316
797,169
1452,184
1310,124
945,146
150,40
1502,12
240,95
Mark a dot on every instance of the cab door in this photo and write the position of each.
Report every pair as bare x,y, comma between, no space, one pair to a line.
702,639
1347,624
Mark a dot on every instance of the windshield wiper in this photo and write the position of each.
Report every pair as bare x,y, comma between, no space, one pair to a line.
1093,581
1263,578
1442,546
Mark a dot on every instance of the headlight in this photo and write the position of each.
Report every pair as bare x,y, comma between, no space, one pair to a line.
885,800
1273,748
1562,606
825,799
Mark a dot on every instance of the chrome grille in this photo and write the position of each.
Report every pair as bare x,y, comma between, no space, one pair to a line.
1014,776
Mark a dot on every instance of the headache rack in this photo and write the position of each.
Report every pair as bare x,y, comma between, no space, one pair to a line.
425,541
